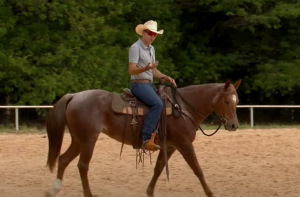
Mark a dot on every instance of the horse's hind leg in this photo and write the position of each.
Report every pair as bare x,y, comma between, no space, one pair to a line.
188,153
87,149
64,160
160,164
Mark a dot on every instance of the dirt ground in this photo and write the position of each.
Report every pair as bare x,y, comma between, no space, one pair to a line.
245,163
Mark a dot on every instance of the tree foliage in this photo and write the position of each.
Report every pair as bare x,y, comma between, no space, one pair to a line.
50,48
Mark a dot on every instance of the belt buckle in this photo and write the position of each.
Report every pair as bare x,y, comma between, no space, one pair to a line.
131,102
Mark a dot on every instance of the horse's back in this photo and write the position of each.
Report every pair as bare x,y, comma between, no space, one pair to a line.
89,100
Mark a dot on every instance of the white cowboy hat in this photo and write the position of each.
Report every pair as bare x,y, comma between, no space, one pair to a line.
150,25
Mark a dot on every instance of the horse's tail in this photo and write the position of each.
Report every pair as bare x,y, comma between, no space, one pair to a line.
55,129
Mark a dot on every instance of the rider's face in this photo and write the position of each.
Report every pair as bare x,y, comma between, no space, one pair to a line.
149,36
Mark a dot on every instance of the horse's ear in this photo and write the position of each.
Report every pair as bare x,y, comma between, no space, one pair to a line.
227,84
237,84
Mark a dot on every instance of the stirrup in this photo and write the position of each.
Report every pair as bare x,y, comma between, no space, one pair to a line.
151,144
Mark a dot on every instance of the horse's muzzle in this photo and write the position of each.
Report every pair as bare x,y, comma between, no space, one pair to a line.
230,125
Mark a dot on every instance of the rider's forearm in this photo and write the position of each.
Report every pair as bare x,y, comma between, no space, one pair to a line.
136,71
157,74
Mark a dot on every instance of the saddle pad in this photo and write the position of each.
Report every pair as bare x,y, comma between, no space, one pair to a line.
119,106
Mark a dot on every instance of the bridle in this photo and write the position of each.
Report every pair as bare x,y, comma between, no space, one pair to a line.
222,119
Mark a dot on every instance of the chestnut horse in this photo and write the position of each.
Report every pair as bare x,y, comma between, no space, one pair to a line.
88,113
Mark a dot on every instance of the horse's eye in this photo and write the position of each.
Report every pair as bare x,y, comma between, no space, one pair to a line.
227,102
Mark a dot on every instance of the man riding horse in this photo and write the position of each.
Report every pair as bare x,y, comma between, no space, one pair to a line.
142,68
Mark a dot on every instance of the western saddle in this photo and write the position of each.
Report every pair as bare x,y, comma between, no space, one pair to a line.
127,103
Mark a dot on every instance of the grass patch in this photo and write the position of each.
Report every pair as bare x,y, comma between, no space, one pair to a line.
22,129
260,126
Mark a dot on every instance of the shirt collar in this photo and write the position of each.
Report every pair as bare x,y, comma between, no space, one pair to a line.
143,45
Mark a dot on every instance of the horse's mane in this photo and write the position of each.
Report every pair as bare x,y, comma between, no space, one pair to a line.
204,87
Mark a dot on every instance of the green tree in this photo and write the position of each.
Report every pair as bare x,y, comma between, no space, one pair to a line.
254,40
51,48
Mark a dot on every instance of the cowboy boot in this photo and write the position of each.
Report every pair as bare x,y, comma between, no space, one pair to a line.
145,145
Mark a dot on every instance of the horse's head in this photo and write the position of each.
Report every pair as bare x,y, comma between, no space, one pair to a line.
224,105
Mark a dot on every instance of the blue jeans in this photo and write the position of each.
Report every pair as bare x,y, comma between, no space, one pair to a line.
146,93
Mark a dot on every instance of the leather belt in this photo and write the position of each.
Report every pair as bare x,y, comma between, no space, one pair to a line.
140,81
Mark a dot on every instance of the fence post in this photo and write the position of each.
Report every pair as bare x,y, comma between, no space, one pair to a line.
251,117
17,118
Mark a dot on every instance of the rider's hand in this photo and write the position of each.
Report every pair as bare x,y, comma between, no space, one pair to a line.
155,64
172,81
150,66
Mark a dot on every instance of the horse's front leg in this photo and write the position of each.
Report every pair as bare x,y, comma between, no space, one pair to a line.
188,153
160,164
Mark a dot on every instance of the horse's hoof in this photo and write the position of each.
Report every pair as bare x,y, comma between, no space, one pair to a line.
47,194
150,194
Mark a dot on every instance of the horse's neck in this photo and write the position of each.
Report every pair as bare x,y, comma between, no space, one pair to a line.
200,98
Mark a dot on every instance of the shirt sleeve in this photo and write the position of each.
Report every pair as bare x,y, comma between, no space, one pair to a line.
134,54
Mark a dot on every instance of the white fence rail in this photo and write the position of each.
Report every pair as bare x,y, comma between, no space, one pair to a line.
264,106
239,106
21,107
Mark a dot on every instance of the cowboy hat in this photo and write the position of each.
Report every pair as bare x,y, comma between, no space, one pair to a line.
150,25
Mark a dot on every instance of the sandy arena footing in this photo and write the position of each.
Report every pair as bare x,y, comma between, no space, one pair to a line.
245,163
